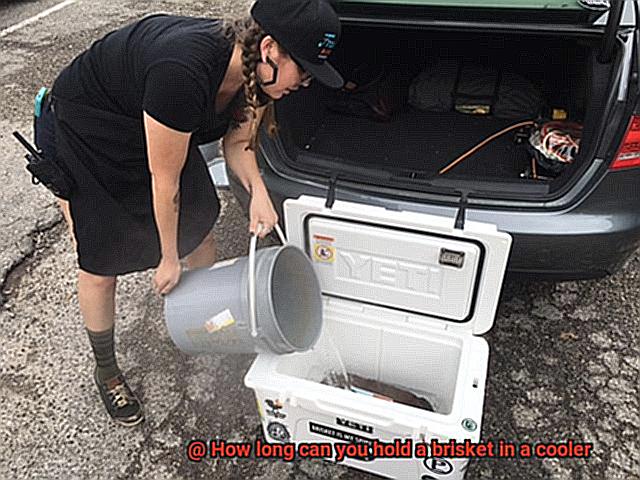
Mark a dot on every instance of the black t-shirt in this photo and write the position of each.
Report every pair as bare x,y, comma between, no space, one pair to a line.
169,66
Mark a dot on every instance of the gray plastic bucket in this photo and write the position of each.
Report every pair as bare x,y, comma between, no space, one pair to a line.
209,311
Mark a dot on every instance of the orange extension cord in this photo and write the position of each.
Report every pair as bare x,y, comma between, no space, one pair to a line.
481,144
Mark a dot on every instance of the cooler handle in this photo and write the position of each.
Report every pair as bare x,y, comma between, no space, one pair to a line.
252,276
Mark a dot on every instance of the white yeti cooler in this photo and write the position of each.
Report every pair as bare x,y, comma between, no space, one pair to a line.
406,296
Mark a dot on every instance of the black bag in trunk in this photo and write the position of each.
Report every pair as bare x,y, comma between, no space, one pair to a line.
475,89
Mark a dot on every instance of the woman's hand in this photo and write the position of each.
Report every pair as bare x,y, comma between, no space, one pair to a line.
261,211
167,275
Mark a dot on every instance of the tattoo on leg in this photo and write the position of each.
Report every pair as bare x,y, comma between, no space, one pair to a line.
176,200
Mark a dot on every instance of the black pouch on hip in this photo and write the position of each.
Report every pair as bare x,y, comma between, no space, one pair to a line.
41,159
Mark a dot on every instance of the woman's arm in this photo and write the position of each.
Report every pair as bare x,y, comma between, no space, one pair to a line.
243,163
167,152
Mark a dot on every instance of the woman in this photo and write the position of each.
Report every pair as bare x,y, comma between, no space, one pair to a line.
129,114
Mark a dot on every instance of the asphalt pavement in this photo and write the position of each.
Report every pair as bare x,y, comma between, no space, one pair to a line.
564,364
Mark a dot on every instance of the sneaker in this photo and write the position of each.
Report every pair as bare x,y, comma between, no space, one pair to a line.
121,403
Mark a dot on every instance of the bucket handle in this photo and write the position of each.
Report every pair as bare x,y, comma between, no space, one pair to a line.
252,276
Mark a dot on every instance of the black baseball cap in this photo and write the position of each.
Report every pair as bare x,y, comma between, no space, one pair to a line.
308,29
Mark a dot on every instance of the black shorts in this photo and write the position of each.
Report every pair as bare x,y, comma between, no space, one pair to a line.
111,204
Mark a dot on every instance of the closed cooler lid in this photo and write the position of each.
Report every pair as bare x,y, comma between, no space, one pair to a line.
406,261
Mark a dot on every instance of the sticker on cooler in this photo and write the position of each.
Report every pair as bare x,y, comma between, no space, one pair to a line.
274,408
323,249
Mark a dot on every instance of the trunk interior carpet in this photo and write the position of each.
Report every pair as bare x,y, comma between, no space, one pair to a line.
423,142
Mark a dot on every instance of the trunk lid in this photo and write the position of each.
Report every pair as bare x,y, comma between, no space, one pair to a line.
558,14
586,12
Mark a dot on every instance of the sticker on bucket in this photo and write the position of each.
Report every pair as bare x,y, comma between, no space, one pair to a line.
223,263
202,340
221,320
215,332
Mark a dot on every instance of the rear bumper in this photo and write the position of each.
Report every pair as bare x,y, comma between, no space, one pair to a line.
592,239
571,257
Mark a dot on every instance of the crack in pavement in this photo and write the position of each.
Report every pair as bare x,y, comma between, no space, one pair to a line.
13,272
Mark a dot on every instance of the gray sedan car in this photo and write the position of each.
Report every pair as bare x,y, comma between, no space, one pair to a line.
571,217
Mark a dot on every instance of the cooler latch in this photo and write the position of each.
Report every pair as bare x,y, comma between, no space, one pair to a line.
331,192
462,209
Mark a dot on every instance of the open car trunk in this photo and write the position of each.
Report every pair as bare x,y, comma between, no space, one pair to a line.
416,143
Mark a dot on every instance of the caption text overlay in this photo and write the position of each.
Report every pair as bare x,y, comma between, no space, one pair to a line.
198,450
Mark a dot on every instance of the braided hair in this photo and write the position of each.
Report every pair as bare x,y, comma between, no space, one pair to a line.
249,34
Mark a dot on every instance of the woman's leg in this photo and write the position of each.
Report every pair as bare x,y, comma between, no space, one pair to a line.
204,255
96,295
66,213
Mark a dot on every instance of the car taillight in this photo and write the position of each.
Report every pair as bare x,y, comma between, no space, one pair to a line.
629,153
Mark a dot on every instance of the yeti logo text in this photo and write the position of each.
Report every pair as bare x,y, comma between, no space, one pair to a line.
388,272
358,426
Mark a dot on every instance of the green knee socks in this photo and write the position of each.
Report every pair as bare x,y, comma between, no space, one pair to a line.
103,349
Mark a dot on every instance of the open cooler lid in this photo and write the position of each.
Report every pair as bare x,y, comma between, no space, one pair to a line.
407,261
